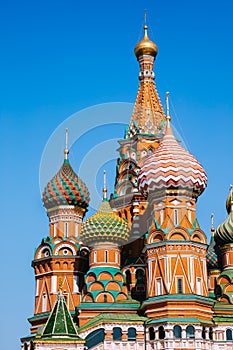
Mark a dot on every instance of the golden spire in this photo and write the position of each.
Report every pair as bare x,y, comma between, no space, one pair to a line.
105,197
66,150
145,46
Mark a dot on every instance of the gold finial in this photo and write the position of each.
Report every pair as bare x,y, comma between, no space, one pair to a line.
144,18
105,197
212,223
145,46
168,118
66,150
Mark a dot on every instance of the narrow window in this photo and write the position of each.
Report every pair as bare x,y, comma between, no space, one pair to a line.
66,229
229,334
37,286
53,284
159,286
44,303
161,332
95,257
151,333
105,298
179,286
76,230
116,258
161,216
175,217
177,332
227,259
203,333
55,230
128,279
190,216
106,256
211,333
198,285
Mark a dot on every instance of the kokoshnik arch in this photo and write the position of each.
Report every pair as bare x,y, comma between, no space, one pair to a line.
139,274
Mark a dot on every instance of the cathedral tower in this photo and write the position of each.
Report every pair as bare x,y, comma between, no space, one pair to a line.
59,261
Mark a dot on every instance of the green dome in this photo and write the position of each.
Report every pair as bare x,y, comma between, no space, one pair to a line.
105,226
224,232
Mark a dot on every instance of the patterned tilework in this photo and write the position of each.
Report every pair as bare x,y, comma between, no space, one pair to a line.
66,188
104,226
171,166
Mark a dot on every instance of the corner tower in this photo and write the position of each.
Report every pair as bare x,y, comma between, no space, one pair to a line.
59,262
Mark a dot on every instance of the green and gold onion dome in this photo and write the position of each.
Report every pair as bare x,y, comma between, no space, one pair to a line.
224,232
229,201
104,227
66,188
145,46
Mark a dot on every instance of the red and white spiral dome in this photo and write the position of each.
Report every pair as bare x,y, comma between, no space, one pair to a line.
170,166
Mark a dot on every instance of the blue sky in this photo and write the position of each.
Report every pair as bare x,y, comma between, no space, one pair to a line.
58,57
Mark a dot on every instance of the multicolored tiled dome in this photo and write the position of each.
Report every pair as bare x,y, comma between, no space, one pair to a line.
66,188
105,226
171,166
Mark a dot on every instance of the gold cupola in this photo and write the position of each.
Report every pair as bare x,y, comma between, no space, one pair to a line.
145,46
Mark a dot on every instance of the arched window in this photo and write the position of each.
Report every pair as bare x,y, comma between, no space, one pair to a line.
211,333
177,332
161,332
105,298
128,279
95,256
117,333
190,332
131,334
95,338
106,256
229,334
25,346
152,333
32,345
203,333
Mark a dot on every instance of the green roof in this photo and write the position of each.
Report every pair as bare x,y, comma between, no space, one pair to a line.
60,322
113,318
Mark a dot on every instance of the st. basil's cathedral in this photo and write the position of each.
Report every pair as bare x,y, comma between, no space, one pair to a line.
139,274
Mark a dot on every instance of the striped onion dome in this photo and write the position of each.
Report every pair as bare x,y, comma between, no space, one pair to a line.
171,166
224,232
229,202
105,226
66,188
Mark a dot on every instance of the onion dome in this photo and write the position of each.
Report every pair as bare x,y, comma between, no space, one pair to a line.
170,166
145,46
229,202
66,188
105,226
224,232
